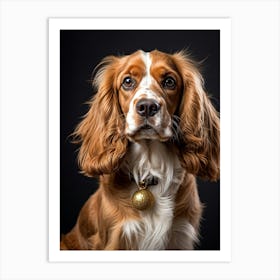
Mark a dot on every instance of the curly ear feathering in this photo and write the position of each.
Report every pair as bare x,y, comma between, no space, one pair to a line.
199,124
101,131
150,129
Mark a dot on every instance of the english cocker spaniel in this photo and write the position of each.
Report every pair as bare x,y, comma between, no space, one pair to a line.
149,131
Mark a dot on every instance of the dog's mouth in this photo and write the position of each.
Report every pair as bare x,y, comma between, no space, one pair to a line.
149,132
146,127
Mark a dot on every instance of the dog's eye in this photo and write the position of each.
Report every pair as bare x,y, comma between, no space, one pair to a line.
169,83
128,83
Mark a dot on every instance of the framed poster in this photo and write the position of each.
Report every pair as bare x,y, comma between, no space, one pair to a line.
29,91
76,47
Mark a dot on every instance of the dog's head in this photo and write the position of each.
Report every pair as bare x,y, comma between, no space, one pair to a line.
155,96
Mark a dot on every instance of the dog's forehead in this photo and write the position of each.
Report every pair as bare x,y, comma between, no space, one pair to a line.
141,58
155,57
148,58
158,61
147,79
133,63
147,64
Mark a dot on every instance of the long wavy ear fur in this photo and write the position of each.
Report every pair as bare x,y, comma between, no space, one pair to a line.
199,124
103,144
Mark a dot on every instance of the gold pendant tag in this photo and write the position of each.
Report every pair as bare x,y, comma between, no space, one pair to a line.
143,199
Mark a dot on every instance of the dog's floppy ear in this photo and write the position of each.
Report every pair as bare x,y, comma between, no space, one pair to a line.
199,124
103,144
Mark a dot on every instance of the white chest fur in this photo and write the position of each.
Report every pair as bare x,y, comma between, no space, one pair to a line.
153,158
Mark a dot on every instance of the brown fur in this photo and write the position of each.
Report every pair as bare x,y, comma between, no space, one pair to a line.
199,123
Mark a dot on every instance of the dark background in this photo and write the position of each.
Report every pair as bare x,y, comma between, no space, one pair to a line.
80,52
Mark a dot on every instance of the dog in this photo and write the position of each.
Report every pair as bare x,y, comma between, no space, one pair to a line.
151,129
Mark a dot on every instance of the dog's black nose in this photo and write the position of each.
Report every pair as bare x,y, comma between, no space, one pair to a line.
147,107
